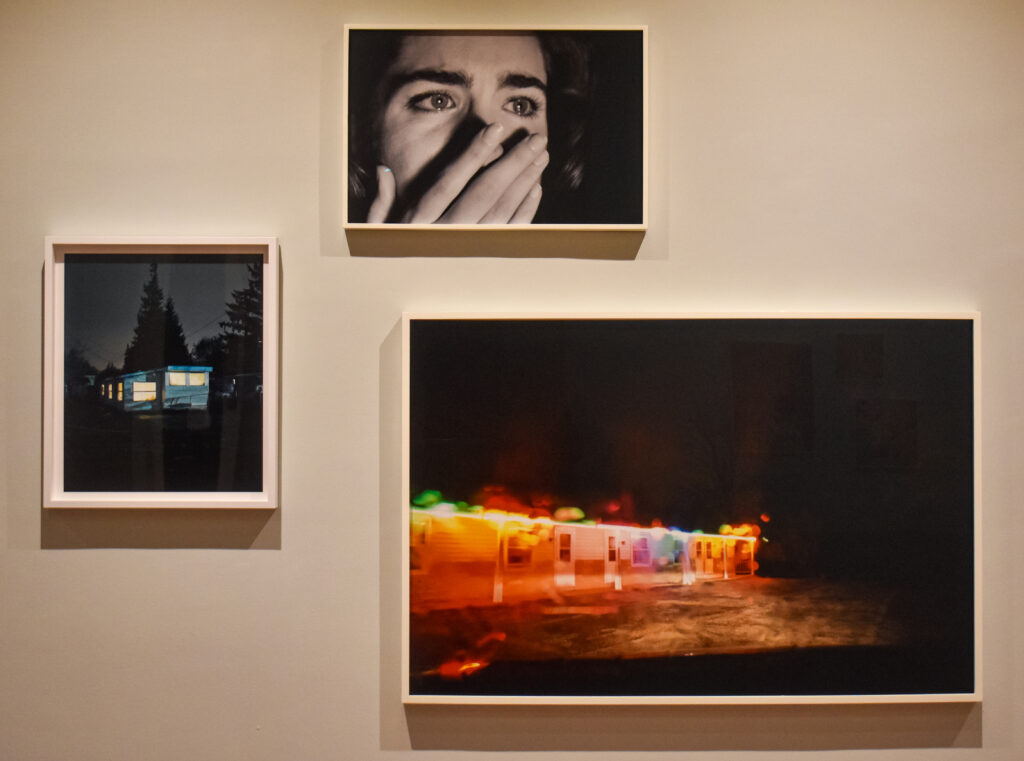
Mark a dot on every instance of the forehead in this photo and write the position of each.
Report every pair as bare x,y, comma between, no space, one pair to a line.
472,53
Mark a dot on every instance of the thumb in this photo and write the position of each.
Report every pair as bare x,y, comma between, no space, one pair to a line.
385,196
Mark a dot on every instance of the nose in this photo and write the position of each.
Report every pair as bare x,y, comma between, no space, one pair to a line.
477,118
485,110
473,122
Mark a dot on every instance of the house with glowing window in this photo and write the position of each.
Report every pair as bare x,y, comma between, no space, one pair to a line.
472,556
175,387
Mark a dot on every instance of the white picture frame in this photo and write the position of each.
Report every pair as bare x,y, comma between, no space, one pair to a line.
596,178
859,379
194,437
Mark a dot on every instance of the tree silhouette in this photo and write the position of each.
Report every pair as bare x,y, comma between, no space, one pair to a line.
78,371
210,351
159,339
110,371
175,349
242,331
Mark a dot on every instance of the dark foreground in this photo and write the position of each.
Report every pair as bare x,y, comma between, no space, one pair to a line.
751,636
219,449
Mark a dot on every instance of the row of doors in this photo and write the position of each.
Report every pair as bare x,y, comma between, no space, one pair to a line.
565,565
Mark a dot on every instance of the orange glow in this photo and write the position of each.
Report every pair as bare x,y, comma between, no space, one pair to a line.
456,669
765,518
542,503
464,664
461,556
743,529
526,518
495,497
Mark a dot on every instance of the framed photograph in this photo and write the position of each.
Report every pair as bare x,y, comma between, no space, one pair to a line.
535,128
161,372
691,509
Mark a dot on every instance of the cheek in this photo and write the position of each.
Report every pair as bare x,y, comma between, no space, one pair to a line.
408,142
538,126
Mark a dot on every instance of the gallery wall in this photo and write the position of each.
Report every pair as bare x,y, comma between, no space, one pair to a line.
803,156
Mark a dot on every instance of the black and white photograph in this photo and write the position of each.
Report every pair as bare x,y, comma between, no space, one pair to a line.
161,384
496,127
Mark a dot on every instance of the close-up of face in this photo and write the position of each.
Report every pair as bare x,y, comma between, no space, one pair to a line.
442,81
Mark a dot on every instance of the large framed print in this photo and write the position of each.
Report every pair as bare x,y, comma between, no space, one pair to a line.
523,127
160,372
691,508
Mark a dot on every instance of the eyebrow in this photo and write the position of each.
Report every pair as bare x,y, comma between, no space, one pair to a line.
462,79
438,76
522,80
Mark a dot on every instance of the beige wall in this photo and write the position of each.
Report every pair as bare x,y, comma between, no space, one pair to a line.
805,155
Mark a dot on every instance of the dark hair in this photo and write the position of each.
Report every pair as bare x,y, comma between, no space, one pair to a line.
567,61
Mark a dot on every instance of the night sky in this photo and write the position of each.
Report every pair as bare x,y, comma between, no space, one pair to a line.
850,434
102,296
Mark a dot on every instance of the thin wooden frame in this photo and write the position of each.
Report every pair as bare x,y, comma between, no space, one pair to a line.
626,211
257,393
964,525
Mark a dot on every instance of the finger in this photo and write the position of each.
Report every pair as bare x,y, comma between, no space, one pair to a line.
508,204
385,196
455,177
528,208
488,188
494,155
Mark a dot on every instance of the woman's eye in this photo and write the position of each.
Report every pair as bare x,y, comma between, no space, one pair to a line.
522,106
432,101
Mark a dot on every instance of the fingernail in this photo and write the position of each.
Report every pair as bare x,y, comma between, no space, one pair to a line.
535,191
537,142
492,135
541,160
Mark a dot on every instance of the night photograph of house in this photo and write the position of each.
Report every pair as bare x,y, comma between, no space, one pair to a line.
163,364
691,506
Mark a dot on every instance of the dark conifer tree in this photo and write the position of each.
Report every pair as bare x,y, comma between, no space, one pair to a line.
158,339
110,371
210,351
242,331
76,367
78,372
175,349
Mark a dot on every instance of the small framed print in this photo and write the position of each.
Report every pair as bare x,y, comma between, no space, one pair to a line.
691,509
529,128
161,372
